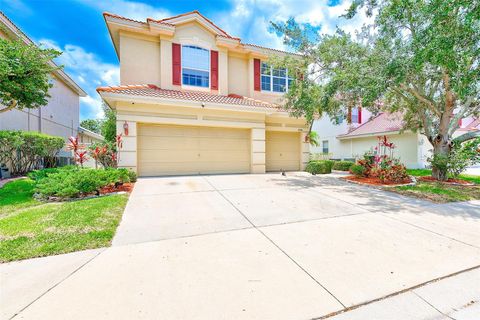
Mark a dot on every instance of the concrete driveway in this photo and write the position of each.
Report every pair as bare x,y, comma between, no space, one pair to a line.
262,247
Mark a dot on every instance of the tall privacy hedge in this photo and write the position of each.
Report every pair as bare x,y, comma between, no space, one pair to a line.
23,151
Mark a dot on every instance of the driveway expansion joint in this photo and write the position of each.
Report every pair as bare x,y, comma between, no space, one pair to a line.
276,245
410,289
58,283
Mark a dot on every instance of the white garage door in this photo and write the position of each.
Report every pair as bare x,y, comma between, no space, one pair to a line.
183,150
282,151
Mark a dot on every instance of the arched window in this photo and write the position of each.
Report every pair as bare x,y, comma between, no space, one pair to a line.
195,66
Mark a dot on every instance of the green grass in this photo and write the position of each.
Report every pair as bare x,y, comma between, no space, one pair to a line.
16,195
440,192
29,228
428,172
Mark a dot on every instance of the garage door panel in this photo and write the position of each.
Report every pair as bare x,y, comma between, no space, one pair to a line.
177,150
282,151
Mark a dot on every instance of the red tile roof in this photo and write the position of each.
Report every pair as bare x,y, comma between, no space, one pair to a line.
150,90
383,122
223,33
472,126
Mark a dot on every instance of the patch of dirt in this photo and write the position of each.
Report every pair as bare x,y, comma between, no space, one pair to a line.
449,181
126,187
374,181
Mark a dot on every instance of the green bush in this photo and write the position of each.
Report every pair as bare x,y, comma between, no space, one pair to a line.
73,182
319,166
25,150
358,170
342,165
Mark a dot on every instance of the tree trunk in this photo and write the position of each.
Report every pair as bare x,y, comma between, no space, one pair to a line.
441,150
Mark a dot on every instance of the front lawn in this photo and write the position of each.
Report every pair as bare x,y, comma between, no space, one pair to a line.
440,192
428,172
30,228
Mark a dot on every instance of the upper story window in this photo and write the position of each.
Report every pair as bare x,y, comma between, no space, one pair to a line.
274,79
355,115
195,66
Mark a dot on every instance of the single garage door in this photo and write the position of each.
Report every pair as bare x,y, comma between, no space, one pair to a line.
282,151
182,150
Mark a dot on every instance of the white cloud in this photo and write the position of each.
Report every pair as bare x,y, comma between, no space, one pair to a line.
130,9
89,71
250,19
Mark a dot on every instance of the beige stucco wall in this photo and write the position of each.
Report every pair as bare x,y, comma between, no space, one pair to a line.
144,113
148,60
407,147
238,75
140,59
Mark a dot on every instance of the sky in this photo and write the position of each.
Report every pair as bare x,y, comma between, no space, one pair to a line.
77,28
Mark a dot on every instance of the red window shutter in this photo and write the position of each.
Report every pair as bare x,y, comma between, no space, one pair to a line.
214,69
256,74
359,115
176,64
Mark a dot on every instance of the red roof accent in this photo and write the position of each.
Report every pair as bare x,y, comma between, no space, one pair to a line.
223,34
472,126
150,90
383,122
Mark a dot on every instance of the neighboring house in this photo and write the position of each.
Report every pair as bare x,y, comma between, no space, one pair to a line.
193,99
351,141
86,138
60,117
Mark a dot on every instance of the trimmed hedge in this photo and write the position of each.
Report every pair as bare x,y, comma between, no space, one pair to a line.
24,150
73,182
342,165
358,170
320,166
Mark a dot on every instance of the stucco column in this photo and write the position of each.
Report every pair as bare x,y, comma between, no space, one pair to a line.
223,72
166,64
304,151
251,91
258,150
128,153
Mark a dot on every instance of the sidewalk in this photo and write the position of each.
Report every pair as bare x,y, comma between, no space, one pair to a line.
456,297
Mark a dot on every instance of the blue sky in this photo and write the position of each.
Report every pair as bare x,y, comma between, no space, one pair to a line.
77,28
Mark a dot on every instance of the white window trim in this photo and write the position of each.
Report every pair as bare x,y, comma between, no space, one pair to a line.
271,81
190,87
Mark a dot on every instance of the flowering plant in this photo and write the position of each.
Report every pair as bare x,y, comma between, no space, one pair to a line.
382,165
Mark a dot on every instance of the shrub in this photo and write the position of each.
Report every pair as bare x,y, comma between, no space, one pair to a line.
319,166
358,170
72,182
381,165
394,174
23,150
460,157
342,165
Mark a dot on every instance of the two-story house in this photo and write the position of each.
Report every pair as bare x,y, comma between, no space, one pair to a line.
193,99
60,117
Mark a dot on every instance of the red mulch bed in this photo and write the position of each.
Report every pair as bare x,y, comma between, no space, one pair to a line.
449,181
374,181
127,187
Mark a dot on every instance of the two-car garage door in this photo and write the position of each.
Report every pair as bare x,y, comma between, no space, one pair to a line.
181,150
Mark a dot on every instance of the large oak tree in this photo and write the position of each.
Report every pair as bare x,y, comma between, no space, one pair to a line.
418,57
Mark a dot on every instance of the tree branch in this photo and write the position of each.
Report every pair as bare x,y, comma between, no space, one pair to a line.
426,101
10,107
467,136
